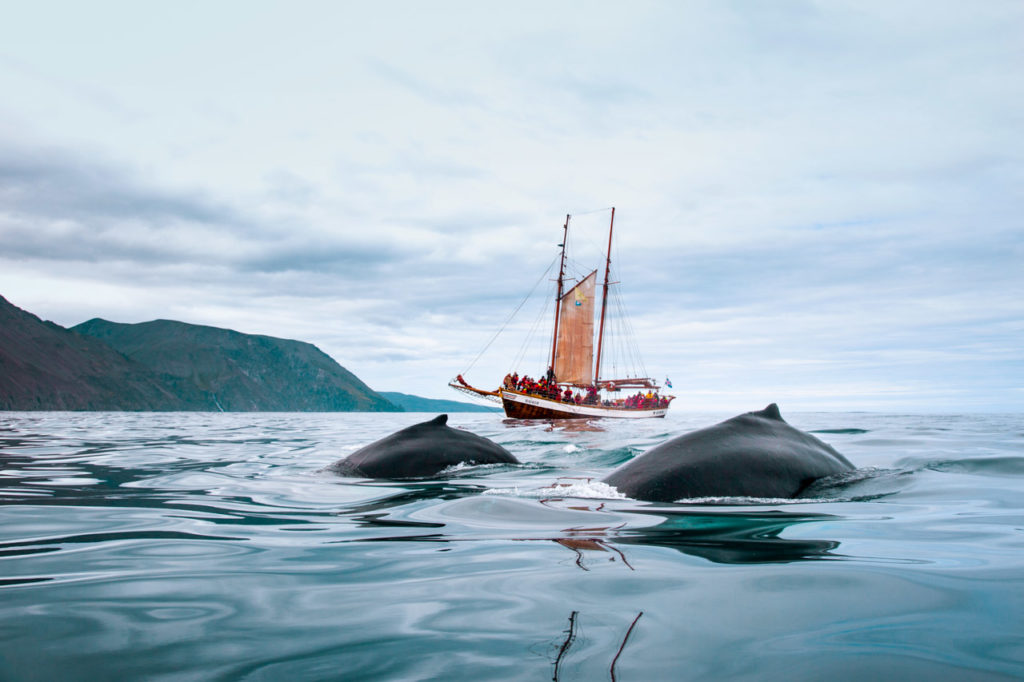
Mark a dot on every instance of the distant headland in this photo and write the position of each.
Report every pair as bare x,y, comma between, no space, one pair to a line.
165,365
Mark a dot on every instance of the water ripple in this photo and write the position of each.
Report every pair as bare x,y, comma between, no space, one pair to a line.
202,546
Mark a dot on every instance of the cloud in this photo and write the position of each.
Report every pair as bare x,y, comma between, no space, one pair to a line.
821,197
58,206
95,220
46,183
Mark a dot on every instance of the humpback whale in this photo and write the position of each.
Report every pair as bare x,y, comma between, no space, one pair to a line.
420,451
756,454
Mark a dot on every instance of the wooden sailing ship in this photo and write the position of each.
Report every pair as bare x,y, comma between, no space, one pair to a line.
573,387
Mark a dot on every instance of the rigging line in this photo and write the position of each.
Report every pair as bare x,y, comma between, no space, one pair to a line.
502,328
593,238
596,210
620,336
632,348
623,337
625,342
517,362
628,333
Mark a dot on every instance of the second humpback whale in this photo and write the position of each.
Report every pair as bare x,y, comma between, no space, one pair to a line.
421,450
756,454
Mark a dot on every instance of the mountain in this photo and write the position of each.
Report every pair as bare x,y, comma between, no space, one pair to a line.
167,366
239,372
43,366
414,403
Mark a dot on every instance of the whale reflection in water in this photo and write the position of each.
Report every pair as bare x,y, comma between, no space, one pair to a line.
747,537
734,537
592,529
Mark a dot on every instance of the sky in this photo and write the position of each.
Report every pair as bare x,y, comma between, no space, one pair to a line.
818,204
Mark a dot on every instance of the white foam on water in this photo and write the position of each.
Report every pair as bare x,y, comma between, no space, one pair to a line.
567,488
744,501
465,466
455,468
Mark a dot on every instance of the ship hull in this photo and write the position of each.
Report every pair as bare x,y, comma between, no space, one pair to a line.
519,406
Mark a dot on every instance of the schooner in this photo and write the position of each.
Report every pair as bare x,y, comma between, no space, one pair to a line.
574,387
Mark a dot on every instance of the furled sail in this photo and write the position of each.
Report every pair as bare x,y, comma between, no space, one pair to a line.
574,349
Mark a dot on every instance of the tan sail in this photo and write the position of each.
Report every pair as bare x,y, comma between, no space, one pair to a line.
574,349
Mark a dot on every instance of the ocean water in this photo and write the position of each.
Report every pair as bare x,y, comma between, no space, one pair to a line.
212,547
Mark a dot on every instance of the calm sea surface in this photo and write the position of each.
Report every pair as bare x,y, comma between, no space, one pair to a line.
211,547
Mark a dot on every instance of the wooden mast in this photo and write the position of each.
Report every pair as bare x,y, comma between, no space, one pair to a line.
558,296
604,302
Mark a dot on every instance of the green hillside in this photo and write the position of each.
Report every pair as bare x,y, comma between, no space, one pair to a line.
44,366
239,372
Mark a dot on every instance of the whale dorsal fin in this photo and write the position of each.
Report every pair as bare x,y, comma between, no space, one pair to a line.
439,420
771,412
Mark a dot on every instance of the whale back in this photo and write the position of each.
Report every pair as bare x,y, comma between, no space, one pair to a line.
756,454
421,450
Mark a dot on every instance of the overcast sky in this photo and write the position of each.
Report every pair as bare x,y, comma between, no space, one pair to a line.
818,203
